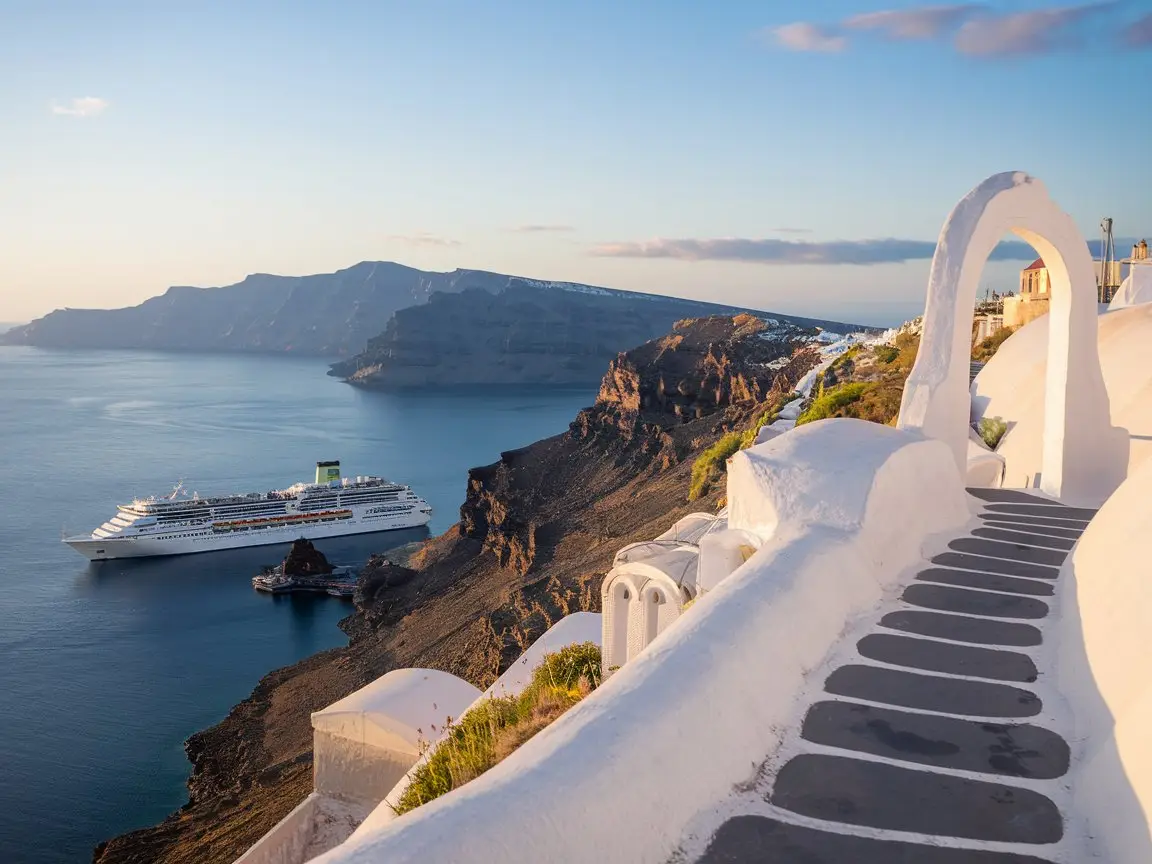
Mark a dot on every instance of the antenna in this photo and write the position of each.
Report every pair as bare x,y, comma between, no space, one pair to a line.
1106,282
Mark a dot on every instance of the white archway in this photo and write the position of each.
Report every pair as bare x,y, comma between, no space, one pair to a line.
1085,458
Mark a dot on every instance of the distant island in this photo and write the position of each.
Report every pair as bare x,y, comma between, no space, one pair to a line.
391,326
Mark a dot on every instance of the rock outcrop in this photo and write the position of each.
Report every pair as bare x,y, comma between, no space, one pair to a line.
304,559
537,532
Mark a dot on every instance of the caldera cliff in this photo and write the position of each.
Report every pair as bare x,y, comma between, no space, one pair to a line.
537,532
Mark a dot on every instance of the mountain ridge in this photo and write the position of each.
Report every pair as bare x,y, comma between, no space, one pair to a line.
333,315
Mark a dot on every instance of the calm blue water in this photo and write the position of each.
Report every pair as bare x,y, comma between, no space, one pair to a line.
106,669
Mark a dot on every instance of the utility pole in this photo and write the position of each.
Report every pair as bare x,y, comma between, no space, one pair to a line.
1105,287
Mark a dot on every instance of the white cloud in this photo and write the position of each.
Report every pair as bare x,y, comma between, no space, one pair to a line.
797,252
805,36
423,238
541,229
1138,34
81,106
927,22
1037,32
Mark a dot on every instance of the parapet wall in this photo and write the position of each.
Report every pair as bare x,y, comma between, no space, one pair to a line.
844,507
1104,649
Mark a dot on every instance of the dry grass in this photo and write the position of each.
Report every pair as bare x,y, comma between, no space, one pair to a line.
497,727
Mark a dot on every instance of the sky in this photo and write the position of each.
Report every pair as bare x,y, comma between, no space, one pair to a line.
743,152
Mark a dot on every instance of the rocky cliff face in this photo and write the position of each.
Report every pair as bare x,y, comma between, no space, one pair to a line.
506,326
538,333
537,532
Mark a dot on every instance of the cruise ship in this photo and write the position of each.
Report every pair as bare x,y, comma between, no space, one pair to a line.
181,524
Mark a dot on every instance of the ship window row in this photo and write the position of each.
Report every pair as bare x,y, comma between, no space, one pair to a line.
231,511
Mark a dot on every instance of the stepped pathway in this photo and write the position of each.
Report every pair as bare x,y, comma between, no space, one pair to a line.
932,745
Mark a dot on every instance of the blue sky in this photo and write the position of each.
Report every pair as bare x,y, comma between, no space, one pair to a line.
293,138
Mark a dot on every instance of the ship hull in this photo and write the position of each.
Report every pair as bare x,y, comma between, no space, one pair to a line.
145,546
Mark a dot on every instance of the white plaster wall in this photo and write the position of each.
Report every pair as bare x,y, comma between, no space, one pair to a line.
617,777
1105,651
721,554
1012,386
1083,456
354,770
1135,289
313,827
398,711
286,842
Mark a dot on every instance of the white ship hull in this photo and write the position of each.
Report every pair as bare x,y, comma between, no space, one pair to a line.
146,546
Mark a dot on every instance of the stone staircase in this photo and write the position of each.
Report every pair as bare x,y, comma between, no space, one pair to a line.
932,744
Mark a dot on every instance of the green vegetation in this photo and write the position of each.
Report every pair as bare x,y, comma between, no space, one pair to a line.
831,402
492,730
887,353
982,351
713,462
992,429
875,395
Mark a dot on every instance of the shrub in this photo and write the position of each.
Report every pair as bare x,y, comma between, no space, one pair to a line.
714,461
982,351
493,730
887,354
831,401
992,429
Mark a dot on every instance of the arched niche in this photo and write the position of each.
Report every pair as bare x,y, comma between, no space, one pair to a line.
1084,457
617,598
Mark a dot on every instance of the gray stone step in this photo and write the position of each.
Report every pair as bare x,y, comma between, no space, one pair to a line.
1046,541
1011,496
944,598
932,692
1010,551
978,631
1045,530
987,581
1074,524
877,795
995,565
1011,750
1042,510
948,658
762,840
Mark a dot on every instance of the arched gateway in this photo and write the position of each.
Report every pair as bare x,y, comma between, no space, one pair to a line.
1085,457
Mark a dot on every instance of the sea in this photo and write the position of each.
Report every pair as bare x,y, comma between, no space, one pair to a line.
105,669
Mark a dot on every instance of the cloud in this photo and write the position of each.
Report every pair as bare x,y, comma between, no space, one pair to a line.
81,106
927,22
803,36
792,230
1040,31
541,229
423,238
772,251
1138,34
975,29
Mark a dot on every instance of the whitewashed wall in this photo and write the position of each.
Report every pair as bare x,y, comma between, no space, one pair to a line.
849,506
1105,660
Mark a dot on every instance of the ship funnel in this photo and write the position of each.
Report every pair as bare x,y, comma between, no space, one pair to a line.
326,472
